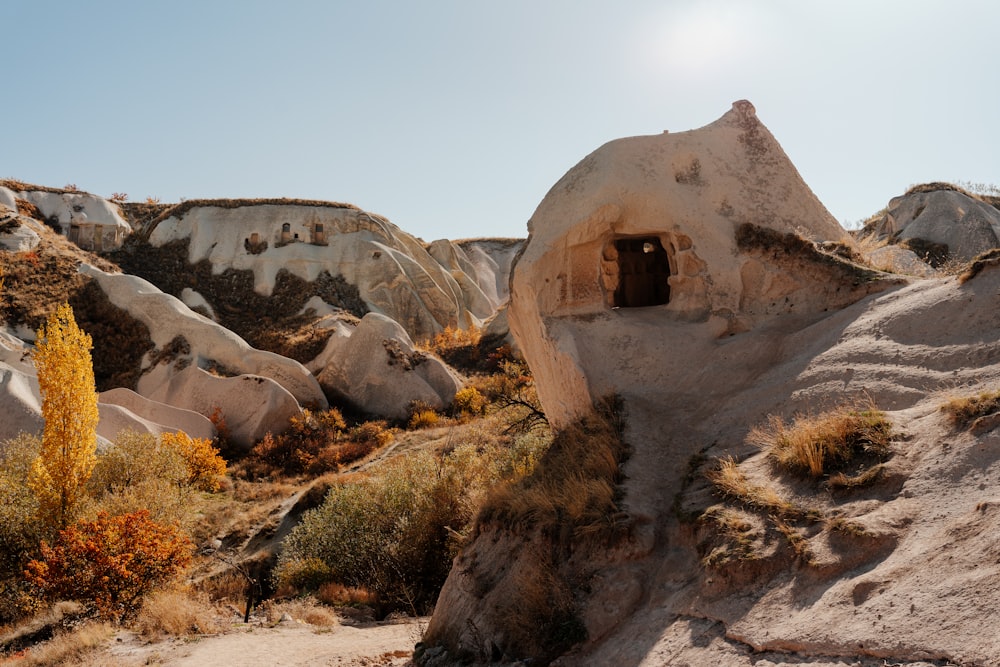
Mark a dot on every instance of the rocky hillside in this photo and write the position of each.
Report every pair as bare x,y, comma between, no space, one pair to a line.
242,310
695,278
777,442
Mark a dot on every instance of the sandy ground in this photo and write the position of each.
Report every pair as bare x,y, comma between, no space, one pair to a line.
288,643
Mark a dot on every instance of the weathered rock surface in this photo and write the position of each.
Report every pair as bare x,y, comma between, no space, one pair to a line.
378,370
16,234
208,343
939,221
749,330
687,230
393,272
273,387
492,260
252,405
157,417
119,409
92,222
20,402
896,259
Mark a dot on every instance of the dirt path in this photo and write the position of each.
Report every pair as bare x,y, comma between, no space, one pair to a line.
288,643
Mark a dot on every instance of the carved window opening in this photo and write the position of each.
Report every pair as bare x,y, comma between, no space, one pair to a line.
286,232
637,272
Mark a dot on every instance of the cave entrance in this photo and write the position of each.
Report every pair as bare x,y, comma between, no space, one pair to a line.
643,271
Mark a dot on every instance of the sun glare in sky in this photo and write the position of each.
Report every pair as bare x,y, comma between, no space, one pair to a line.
701,40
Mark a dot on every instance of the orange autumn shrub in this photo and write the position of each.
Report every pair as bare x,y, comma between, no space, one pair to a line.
205,466
110,563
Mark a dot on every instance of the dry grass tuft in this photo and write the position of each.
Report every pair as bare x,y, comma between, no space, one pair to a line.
178,614
733,484
964,411
797,541
980,262
738,533
841,481
65,648
307,609
574,486
813,444
848,527
336,594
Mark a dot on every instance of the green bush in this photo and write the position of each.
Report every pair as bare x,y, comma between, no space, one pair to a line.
396,534
139,472
20,529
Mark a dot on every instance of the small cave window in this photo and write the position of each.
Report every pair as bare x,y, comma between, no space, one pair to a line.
642,268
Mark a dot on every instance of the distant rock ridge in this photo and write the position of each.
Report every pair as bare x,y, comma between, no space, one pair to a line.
393,272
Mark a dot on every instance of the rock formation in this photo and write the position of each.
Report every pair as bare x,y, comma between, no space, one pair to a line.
378,371
393,272
92,222
679,273
694,231
189,343
938,222
157,417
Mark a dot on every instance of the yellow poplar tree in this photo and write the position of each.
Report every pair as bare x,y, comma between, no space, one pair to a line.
69,408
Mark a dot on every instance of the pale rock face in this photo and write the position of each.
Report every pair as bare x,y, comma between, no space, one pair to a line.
20,400
21,405
252,405
492,260
341,332
167,317
457,263
378,370
8,199
193,300
92,222
965,225
22,238
895,259
118,409
394,274
155,417
645,229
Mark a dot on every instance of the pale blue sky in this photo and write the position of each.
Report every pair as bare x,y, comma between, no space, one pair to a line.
453,118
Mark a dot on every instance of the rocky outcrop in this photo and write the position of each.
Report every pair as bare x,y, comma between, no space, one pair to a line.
92,222
119,409
20,401
153,416
756,322
708,231
393,272
206,344
188,344
16,234
938,222
251,405
378,370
